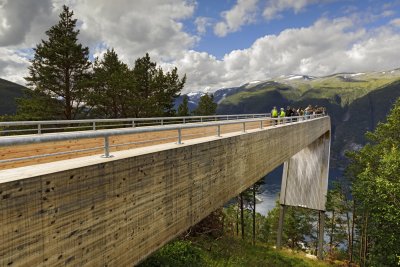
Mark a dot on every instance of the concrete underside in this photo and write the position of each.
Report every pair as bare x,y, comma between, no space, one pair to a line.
305,176
115,212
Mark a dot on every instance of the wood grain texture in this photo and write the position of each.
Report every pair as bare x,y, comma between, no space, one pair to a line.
120,143
118,211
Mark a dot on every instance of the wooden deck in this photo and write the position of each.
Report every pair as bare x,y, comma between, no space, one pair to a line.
134,140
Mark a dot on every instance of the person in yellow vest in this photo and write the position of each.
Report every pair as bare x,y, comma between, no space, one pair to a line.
274,114
282,114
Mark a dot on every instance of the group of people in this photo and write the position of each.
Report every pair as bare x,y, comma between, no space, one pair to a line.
293,112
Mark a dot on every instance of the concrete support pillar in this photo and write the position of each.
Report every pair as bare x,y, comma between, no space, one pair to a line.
321,225
280,226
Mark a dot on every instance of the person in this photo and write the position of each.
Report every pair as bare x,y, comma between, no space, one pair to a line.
288,112
274,114
294,114
282,114
308,111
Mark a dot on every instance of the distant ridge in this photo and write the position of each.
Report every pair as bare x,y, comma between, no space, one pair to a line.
9,92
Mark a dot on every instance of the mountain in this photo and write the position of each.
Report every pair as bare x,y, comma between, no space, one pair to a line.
356,102
9,92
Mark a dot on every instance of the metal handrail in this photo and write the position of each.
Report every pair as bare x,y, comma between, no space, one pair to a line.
54,137
94,123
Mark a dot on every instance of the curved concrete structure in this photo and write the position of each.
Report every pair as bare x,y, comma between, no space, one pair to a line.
93,211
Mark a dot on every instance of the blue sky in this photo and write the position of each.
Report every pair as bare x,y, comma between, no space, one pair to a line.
369,10
220,43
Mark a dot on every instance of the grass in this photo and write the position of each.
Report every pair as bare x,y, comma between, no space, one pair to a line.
228,252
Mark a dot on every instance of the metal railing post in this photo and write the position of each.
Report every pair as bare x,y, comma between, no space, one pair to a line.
162,122
219,130
39,129
261,124
244,127
106,147
94,126
184,121
133,124
179,136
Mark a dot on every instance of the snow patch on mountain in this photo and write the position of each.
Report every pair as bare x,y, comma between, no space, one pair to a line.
357,74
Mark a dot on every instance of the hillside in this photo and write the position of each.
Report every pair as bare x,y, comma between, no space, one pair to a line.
230,252
355,101
9,91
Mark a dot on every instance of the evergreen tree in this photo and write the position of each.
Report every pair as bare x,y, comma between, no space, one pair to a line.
376,190
298,226
112,87
335,226
183,109
36,105
60,66
206,106
155,91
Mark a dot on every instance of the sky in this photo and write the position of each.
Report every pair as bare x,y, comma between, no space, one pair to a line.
216,43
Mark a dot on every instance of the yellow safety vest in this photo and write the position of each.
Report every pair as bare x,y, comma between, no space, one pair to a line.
283,114
274,113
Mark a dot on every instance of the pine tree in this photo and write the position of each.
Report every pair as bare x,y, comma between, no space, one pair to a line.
206,106
155,90
112,87
61,65
183,109
36,105
376,191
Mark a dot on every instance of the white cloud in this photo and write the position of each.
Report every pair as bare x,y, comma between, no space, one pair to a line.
242,13
202,23
274,7
131,27
395,22
13,66
155,26
136,27
326,47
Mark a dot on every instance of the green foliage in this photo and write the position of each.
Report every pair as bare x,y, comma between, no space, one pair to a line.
231,251
175,254
61,65
112,87
337,220
36,105
298,228
154,90
226,251
183,109
376,189
60,75
206,106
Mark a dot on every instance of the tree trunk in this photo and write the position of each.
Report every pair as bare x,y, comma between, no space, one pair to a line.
237,218
352,232
348,233
242,214
365,239
332,232
254,215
